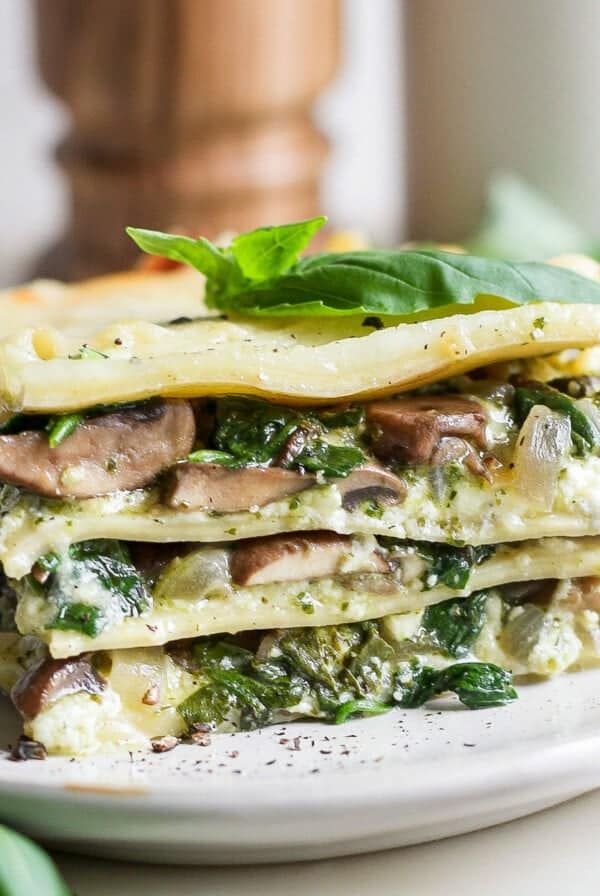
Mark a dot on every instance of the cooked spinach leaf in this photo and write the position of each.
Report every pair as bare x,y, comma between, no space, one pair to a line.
61,427
260,274
332,672
79,617
444,564
477,685
361,707
209,456
90,565
335,419
253,432
449,565
331,460
454,625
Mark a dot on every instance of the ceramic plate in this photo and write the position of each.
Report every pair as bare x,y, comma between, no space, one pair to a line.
306,791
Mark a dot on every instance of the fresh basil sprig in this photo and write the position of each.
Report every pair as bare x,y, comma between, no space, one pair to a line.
25,869
254,257
259,274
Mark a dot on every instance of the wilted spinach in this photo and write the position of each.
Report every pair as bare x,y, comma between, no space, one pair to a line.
332,672
254,432
454,625
100,563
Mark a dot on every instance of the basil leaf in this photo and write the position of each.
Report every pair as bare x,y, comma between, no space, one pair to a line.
25,869
257,275
269,251
520,223
200,253
417,284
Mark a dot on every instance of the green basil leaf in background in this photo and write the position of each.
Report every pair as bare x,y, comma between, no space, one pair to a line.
415,284
25,869
521,223
269,251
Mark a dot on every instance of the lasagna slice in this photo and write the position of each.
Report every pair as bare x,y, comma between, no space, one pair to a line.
253,515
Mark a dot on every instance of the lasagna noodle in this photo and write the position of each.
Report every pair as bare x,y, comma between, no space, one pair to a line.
78,309
182,609
122,716
302,362
478,513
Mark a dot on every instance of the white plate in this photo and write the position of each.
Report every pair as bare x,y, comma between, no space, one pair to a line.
306,791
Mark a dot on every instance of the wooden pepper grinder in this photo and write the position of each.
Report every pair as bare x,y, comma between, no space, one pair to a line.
189,114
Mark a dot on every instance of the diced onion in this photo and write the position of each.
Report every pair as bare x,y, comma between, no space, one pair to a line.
542,443
522,631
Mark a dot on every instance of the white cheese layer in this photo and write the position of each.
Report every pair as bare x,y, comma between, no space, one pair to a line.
324,360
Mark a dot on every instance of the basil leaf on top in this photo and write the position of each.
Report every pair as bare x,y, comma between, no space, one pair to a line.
253,257
270,251
260,274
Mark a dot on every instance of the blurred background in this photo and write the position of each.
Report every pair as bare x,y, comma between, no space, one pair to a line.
448,120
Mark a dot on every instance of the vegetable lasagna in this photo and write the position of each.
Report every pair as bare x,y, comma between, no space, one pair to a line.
335,484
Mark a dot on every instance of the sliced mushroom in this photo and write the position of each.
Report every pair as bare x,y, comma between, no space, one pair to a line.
370,483
290,558
122,450
192,486
584,594
538,591
459,450
408,430
151,559
51,679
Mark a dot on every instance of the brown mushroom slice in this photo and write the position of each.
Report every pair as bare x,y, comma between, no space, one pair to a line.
214,487
125,449
51,679
453,449
584,594
290,558
370,483
408,430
